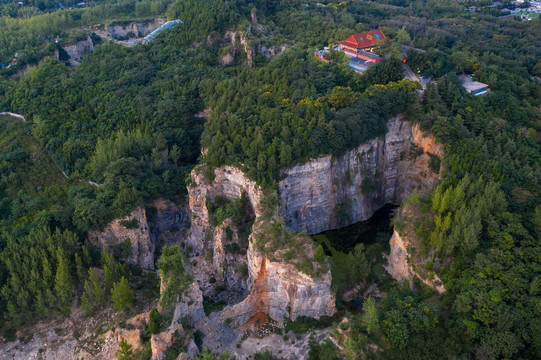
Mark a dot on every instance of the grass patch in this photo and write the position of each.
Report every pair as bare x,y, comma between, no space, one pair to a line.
210,305
304,324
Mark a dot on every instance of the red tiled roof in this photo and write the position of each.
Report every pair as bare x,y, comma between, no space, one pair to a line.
364,40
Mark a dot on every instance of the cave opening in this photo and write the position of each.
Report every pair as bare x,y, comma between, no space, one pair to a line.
375,229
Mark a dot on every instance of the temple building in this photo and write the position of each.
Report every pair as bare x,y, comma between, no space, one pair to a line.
367,42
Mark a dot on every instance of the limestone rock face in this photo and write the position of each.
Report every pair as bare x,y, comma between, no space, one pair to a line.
281,291
277,288
169,222
229,182
77,50
190,305
231,36
327,193
401,268
161,342
132,337
133,29
142,245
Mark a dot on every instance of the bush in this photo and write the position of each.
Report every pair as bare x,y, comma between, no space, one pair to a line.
434,163
154,321
130,224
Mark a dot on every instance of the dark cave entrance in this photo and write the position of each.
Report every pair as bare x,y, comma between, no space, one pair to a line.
373,230
374,233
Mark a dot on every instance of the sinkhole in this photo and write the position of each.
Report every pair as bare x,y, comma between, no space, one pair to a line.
377,228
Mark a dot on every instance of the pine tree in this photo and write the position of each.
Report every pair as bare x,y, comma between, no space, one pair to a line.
125,352
122,295
81,272
93,294
320,254
154,321
370,317
63,286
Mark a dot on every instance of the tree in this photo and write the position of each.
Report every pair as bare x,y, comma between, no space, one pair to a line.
81,272
112,270
370,316
122,295
63,285
359,263
125,352
320,254
154,321
93,294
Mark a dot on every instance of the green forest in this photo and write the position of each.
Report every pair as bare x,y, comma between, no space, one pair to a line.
127,126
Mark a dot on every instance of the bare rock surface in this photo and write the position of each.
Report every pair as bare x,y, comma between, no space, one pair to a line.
77,50
116,233
326,193
400,265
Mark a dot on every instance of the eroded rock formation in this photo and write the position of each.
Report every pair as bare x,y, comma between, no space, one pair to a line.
135,29
165,223
279,289
132,229
76,51
400,264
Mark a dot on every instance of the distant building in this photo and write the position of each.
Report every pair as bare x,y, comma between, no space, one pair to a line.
367,41
369,56
473,87
496,4
359,65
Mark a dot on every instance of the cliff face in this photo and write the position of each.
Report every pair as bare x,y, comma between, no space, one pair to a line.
166,223
279,289
401,266
231,37
134,29
77,50
327,193
115,234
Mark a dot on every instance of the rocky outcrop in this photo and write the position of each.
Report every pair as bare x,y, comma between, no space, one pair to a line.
229,182
189,306
231,36
169,222
328,193
164,223
132,230
76,51
400,264
281,291
136,29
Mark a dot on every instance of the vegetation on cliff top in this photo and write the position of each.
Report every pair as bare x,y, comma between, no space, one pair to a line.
125,119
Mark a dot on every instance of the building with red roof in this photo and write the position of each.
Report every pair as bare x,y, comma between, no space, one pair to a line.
365,41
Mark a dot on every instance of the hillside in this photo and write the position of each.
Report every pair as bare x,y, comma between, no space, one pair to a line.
270,180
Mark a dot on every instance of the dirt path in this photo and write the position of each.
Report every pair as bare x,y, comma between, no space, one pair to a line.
18,116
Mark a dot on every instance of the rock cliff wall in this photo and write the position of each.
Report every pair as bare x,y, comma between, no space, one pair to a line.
165,223
115,234
400,264
77,50
327,193
133,29
279,289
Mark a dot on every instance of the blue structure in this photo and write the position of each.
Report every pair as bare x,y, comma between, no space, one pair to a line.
165,26
359,65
